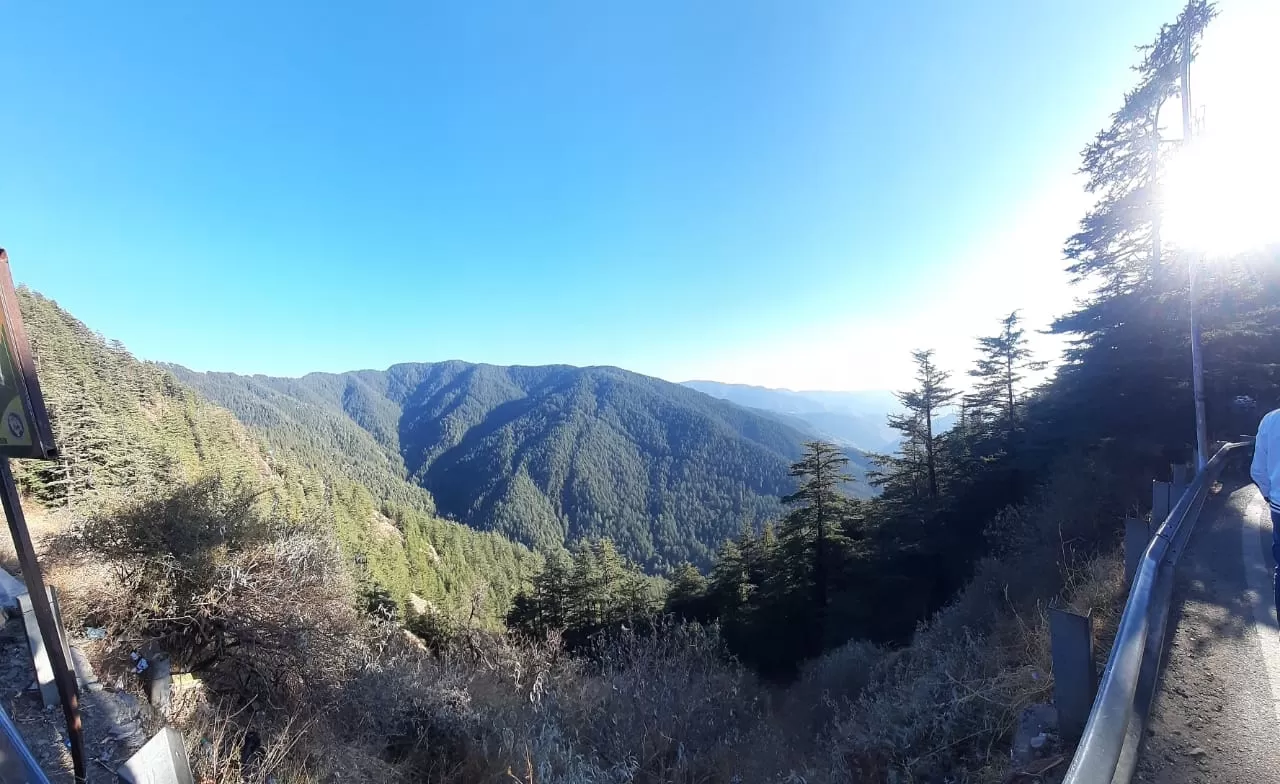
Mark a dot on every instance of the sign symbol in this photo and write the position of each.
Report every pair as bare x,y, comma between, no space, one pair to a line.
16,426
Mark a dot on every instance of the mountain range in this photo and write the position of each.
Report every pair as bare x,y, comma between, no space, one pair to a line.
544,455
850,419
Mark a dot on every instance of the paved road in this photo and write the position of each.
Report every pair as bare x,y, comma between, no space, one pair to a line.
1216,716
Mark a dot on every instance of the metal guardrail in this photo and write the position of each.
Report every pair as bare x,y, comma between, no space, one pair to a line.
1098,756
17,764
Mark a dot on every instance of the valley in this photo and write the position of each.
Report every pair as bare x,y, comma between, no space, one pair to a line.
545,455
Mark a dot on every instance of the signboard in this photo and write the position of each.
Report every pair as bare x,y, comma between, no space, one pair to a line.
24,424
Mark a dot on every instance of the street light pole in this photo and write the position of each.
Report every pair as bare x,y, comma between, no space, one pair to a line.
1197,363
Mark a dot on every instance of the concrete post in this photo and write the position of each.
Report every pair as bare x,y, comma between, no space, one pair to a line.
159,681
1136,538
1075,678
1160,503
39,655
163,760
1181,478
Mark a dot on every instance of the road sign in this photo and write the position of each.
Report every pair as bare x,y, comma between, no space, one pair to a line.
24,423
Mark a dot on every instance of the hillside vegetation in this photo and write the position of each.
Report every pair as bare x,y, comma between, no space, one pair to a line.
543,455
126,428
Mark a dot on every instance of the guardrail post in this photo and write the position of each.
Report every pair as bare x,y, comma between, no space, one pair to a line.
1160,503
162,760
1075,678
1182,474
1137,535
40,646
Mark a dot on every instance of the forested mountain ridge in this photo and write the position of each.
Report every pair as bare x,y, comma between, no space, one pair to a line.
548,454
128,428
298,419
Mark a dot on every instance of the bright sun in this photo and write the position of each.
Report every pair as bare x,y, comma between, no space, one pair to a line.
1222,194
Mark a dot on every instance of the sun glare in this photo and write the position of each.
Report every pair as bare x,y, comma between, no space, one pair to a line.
1221,196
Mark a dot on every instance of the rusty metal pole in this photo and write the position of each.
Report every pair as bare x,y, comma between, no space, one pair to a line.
63,678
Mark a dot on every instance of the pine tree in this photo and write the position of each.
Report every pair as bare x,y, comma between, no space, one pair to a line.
1003,362
687,597
919,453
811,542
730,586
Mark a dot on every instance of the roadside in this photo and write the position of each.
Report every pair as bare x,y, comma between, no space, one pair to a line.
114,720
1214,718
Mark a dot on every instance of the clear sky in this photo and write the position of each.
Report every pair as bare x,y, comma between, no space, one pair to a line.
790,194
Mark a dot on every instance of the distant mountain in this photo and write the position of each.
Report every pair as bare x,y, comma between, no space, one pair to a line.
854,419
545,454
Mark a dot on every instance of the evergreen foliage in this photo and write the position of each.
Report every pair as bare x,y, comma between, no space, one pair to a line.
125,427
913,472
544,455
581,594
999,374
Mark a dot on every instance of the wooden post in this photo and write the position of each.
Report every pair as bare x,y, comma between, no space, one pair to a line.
1075,678
62,675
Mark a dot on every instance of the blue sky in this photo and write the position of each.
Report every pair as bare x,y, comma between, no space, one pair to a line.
792,194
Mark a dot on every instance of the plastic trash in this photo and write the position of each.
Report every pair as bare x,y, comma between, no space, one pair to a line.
95,633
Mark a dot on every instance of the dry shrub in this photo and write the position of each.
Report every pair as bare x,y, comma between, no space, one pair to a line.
252,606
406,709
1099,587
221,749
673,704
662,705
830,682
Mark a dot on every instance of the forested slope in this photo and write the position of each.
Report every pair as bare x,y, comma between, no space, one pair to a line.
545,455
127,426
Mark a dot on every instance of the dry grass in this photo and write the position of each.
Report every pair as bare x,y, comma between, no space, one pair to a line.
330,697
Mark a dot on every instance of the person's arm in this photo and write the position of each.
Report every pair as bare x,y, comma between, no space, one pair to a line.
1260,470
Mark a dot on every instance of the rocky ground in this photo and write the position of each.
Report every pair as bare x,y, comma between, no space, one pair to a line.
112,719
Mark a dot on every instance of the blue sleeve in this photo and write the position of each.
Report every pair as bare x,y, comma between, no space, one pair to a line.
1260,470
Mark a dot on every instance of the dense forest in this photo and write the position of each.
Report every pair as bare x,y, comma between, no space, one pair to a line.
546,456
127,427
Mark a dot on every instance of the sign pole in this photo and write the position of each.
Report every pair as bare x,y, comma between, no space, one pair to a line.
63,678
25,432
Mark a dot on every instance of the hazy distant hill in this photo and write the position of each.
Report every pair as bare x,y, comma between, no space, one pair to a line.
543,454
856,419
